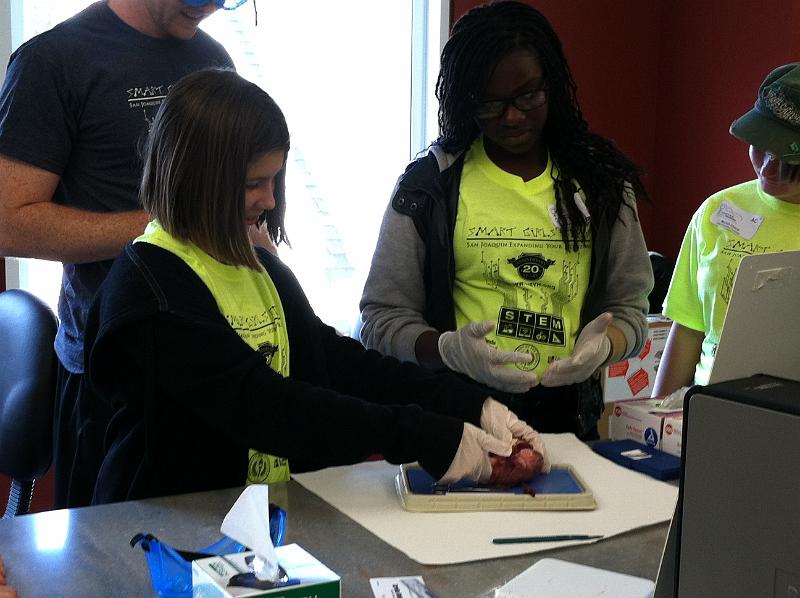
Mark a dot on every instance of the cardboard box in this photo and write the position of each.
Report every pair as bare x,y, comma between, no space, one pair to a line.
672,434
210,576
633,378
635,420
602,423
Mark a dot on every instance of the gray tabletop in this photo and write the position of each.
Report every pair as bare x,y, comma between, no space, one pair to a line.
86,552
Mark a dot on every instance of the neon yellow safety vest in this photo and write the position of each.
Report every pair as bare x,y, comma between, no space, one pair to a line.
250,303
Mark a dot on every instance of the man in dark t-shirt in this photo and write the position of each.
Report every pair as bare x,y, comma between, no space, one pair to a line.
76,102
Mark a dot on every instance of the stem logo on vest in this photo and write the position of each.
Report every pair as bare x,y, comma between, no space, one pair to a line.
531,266
537,327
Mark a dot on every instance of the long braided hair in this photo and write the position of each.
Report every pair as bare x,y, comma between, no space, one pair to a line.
478,41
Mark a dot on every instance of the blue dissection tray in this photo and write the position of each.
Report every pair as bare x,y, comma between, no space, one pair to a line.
657,464
562,489
558,481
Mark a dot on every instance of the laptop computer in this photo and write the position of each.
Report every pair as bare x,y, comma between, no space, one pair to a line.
761,332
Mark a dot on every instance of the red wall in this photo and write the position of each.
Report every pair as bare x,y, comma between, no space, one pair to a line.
664,79
712,60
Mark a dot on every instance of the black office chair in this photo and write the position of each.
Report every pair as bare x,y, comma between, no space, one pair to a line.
27,394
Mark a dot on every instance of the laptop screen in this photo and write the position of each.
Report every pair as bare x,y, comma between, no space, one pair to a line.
761,332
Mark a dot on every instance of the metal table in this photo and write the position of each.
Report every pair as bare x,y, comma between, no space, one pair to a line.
85,552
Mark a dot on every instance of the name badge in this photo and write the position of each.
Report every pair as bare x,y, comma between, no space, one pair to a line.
737,220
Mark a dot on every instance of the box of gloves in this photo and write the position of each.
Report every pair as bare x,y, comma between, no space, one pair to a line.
633,378
300,575
641,420
265,570
672,434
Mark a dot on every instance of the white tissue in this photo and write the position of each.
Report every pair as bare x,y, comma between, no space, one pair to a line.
248,523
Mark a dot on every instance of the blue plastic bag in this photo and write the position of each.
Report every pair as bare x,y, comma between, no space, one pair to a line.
171,569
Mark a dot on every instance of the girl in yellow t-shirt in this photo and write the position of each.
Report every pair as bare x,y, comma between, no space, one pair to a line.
512,252
759,216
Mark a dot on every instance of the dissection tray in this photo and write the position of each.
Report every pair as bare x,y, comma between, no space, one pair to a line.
560,490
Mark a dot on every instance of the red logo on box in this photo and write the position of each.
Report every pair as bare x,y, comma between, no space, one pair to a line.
668,429
646,349
638,381
617,410
616,370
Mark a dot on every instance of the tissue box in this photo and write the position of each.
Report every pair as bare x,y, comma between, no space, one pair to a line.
672,434
634,420
210,576
633,378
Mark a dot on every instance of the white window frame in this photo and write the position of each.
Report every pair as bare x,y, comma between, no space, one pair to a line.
430,29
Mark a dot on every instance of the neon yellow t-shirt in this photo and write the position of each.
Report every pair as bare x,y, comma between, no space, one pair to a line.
735,222
511,264
250,303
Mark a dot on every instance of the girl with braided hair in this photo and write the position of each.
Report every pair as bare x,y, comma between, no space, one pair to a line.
512,252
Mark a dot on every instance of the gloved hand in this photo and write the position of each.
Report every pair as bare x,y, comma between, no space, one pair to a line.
674,400
465,350
591,350
471,461
499,421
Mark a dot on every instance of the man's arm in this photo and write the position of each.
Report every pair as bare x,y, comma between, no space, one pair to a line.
32,225
679,361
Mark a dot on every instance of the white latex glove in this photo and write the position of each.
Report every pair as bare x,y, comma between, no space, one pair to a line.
674,400
591,351
465,350
471,461
499,421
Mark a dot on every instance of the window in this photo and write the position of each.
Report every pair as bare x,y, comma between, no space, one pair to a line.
355,81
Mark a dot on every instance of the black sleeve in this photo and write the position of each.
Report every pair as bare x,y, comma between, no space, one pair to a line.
320,353
386,380
225,393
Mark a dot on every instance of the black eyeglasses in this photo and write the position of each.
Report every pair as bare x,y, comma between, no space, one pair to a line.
525,102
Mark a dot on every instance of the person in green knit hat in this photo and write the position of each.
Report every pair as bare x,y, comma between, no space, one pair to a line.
759,216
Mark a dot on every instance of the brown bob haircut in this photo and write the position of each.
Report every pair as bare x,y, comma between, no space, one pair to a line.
212,124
